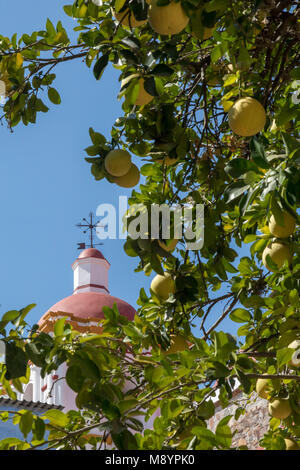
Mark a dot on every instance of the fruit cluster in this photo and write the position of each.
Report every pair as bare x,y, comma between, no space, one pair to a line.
280,250
124,173
279,408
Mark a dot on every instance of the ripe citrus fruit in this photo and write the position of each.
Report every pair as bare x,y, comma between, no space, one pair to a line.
143,97
263,388
178,343
163,286
246,117
117,162
131,178
278,253
286,229
280,408
168,19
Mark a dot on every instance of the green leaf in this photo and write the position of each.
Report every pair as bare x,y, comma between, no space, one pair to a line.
235,190
50,28
230,80
57,418
59,326
258,153
68,10
240,315
204,434
26,422
100,65
39,428
223,436
119,4
10,316
239,166
150,86
74,378
15,360
54,96
284,356
162,70
124,440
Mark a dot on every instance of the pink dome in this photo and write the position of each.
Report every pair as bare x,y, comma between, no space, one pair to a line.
91,253
89,305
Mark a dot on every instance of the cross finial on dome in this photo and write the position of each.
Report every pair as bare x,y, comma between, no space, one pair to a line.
90,226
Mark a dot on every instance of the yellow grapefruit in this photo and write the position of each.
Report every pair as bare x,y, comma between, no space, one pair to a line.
168,19
280,408
143,97
127,18
131,178
246,117
263,387
286,229
117,162
178,343
163,286
278,253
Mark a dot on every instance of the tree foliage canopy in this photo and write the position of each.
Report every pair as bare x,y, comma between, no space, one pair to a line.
229,50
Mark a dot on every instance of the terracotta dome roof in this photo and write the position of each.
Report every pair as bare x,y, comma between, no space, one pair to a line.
89,305
91,253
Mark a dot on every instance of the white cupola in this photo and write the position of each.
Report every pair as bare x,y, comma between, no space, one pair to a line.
90,272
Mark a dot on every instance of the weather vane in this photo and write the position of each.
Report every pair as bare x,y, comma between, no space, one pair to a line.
89,226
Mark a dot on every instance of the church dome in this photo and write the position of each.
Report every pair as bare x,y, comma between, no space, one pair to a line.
84,308
90,304
91,253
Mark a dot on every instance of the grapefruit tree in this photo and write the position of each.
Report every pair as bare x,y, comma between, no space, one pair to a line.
213,90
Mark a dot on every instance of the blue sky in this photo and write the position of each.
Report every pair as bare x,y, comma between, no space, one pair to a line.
46,186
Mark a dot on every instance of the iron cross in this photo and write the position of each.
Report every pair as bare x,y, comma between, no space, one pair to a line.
90,226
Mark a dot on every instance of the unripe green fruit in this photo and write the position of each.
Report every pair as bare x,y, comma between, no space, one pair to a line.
284,230
117,162
163,286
